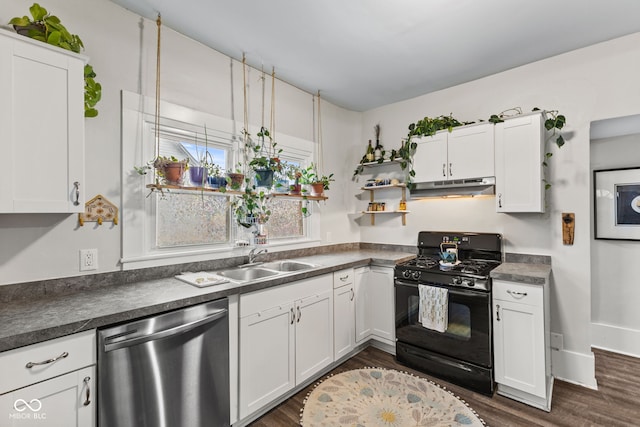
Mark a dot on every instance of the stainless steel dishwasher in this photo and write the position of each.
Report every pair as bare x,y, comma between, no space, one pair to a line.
169,370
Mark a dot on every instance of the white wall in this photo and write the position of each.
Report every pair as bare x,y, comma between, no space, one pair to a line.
615,293
588,84
122,49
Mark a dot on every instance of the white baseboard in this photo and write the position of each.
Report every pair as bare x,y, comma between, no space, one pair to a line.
616,339
576,368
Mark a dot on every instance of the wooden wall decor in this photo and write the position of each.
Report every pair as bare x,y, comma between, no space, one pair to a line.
568,225
98,209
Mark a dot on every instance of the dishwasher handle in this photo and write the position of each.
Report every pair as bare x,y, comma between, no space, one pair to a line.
218,314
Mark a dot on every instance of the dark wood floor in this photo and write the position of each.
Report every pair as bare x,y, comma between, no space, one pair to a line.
615,403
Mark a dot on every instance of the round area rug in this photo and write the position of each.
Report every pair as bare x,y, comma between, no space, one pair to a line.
380,397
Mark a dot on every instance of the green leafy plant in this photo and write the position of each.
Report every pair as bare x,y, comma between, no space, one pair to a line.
251,206
47,28
265,152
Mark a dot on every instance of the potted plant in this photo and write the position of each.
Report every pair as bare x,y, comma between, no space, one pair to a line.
236,177
317,182
48,29
293,174
250,207
215,176
170,169
265,161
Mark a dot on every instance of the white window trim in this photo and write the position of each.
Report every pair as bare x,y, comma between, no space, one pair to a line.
137,150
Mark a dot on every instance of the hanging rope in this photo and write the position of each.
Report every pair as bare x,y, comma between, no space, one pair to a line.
157,113
263,84
272,122
320,152
244,91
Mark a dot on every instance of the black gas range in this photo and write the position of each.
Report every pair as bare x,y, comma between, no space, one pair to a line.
459,262
476,254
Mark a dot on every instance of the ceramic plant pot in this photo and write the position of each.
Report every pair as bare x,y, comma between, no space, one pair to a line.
264,177
198,175
173,172
295,189
236,180
317,188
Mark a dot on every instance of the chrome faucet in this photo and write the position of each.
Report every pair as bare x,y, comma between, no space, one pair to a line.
253,254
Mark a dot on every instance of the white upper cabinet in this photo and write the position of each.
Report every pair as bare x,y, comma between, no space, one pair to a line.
466,152
41,127
519,157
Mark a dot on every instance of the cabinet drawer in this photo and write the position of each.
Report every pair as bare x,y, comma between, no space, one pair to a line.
343,278
517,292
80,350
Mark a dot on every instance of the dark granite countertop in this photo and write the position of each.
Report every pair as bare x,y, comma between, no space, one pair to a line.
529,269
47,316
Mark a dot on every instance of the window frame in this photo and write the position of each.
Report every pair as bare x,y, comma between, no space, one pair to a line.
138,148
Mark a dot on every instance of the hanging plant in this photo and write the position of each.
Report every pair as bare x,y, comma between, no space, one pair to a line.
47,28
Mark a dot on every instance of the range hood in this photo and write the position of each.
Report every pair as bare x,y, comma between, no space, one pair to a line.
453,188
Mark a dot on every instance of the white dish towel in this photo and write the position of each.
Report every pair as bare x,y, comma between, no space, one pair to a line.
434,307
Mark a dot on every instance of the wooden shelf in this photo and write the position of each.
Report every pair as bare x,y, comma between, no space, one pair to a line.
374,213
380,187
215,191
384,162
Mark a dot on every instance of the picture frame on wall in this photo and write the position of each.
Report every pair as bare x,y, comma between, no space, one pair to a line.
616,200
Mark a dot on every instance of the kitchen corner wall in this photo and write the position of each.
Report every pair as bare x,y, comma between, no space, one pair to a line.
122,49
588,84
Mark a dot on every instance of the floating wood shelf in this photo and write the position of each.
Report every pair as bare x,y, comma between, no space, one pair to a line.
380,187
403,199
384,162
160,187
374,213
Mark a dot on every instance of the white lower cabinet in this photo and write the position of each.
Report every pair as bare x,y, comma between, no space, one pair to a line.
381,298
344,307
286,336
50,383
521,343
362,306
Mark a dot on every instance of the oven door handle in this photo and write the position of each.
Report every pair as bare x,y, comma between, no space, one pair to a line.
453,291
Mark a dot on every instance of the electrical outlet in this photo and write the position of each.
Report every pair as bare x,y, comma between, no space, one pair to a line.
88,259
557,341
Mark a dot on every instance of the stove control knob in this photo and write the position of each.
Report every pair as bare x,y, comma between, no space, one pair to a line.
468,282
457,280
406,274
416,275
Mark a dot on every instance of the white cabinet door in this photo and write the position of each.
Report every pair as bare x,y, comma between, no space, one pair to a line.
430,159
519,339
267,352
343,320
67,400
363,304
380,286
471,152
41,127
314,334
519,157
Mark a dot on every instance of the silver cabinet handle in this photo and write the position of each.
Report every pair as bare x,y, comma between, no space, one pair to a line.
293,316
499,200
344,278
353,294
46,362
517,294
444,169
87,401
76,185
498,312
299,314
450,169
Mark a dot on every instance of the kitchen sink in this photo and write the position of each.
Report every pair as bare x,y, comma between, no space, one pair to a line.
288,265
247,274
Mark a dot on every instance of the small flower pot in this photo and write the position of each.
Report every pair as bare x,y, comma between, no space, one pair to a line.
295,189
236,180
264,177
217,181
173,172
198,175
317,188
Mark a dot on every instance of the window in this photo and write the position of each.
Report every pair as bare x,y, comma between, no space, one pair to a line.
188,225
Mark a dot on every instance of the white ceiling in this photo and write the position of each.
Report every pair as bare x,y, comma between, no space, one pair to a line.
362,54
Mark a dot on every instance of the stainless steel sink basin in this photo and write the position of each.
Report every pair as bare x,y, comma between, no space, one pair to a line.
288,265
247,274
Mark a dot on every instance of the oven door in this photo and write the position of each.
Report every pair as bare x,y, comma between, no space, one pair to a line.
468,336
